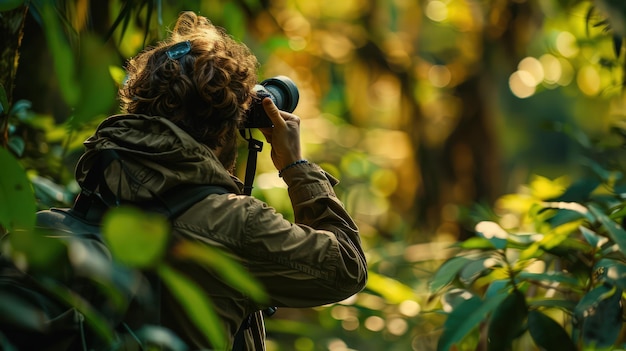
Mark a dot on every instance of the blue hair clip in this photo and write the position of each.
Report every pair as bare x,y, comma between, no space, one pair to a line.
179,50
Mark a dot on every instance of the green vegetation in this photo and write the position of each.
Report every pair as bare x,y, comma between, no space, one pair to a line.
427,111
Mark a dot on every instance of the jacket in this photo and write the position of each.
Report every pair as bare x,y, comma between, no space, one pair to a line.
315,261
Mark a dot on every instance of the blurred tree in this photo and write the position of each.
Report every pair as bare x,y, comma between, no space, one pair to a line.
11,25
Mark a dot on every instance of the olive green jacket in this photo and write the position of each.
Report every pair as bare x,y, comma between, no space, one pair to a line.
316,261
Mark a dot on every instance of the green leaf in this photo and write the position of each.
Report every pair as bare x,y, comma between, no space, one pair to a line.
565,305
465,318
599,314
197,305
454,298
230,270
17,311
42,250
507,321
581,189
62,54
17,145
473,270
100,325
118,74
476,243
548,334
16,195
97,88
136,238
7,5
549,277
390,289
592,238
49,192
158,338
497,287
614,230
447,272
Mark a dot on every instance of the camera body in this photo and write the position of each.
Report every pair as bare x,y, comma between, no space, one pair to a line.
281,90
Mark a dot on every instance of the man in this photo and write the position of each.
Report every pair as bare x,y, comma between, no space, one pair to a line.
183,106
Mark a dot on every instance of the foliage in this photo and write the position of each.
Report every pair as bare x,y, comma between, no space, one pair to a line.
548,267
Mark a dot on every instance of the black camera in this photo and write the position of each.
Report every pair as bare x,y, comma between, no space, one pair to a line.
281,90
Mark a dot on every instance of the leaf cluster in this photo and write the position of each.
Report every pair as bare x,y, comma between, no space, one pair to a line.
547,268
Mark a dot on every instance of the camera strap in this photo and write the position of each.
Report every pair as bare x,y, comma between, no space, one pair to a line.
254,147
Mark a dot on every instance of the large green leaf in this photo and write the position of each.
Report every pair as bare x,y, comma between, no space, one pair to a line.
196,303
136,238
97,88
599,315
507,321
17,199
548,334
230,270
62,54
39,251
390,289
467,316
447,272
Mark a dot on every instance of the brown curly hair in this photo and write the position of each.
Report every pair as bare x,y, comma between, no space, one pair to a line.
205,92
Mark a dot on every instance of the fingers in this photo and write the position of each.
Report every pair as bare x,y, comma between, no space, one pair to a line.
272,112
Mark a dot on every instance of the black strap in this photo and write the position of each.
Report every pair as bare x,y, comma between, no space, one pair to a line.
254,147
96,197
88,198
180,198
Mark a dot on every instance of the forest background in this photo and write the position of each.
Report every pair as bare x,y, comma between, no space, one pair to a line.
429,112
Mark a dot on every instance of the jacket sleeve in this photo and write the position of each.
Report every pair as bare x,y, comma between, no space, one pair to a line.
314,261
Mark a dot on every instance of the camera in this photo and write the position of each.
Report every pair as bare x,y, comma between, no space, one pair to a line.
281,90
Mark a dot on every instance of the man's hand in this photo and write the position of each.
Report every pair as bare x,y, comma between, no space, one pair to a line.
284,137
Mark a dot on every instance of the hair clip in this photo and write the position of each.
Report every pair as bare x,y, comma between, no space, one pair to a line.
179,50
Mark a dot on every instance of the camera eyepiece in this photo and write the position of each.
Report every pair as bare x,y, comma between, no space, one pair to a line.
282,90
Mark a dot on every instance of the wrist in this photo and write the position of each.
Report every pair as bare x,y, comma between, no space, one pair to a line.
291,165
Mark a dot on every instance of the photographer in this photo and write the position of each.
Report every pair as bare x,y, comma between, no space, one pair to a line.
183,105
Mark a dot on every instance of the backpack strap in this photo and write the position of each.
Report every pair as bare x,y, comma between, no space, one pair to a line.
96,197
179,199
91,205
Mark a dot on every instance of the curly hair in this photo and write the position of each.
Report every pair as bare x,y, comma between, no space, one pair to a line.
205,92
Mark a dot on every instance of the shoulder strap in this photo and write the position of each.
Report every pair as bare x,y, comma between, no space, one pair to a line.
91,205
179,199
88,198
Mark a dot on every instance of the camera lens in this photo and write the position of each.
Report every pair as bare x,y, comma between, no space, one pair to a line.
283,91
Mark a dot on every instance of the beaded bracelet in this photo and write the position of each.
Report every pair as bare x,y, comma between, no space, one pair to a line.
293,164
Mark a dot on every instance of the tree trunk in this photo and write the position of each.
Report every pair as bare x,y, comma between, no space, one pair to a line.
11,33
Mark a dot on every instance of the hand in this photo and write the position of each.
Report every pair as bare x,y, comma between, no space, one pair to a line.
284,137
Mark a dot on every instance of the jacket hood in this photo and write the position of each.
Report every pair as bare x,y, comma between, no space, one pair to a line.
155,154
